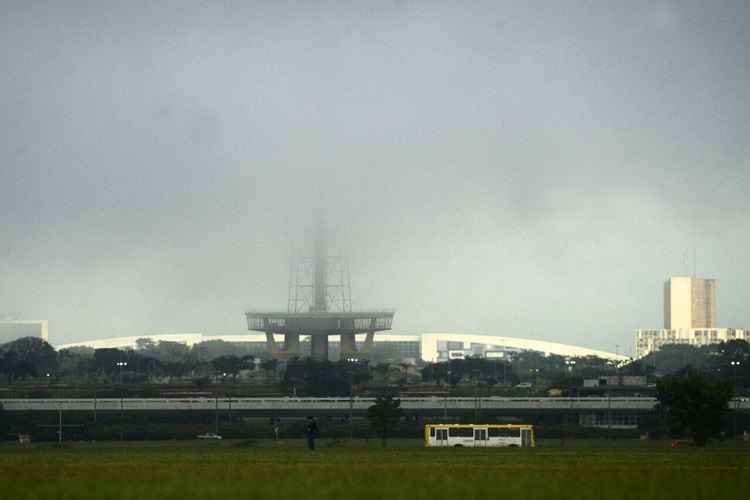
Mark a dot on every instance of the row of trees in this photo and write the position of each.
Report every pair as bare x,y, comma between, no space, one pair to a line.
524,367
28,357
728,360
325,378
33,358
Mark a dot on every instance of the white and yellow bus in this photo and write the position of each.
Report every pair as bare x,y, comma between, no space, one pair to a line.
479,435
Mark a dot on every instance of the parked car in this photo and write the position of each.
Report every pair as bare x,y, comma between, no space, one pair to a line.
209,435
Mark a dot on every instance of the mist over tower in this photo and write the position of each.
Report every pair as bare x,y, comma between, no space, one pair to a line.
319,282
321,270
319,305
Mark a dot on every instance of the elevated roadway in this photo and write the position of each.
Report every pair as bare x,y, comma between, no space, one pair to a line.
298,406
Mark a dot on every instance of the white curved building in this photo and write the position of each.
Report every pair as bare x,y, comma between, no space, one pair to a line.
188,339
437,347
432,347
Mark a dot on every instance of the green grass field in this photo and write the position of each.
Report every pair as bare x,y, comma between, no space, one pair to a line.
180,470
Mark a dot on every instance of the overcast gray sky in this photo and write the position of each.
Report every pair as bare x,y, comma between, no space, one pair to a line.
533,169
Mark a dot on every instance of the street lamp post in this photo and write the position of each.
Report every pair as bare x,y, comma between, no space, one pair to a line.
535,371
571,364
121,364
734,365
351,360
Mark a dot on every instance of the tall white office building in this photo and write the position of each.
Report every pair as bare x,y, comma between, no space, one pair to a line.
689,303
689,318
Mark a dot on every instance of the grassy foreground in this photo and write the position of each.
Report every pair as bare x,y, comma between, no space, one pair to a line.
288,471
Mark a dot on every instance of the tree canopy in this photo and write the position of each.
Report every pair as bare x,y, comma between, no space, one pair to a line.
693,403
384,415
324,378
27,357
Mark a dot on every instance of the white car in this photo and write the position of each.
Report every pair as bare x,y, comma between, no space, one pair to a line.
209,435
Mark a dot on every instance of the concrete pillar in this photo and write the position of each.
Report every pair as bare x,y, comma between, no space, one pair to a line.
319,347
271,343
369,341
291,344
348,345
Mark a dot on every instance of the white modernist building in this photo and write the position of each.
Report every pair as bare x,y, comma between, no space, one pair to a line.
445,346
648,341
190,339
129,342
430,347
13,330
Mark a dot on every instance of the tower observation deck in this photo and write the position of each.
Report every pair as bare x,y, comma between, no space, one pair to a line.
319,305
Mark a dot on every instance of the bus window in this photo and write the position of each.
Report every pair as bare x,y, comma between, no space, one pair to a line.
432,432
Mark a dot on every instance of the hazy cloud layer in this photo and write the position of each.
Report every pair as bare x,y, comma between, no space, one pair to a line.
526,168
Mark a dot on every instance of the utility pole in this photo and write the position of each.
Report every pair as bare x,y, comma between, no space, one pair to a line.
95,425
216,415
122,414
60,425
476,398
351,405
445,406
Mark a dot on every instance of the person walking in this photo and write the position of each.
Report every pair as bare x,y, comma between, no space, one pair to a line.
312,432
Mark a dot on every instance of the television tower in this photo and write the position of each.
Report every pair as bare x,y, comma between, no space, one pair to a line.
319,305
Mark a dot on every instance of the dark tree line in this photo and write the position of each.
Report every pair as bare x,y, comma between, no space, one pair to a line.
521,367
311,377
34,359
728,360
